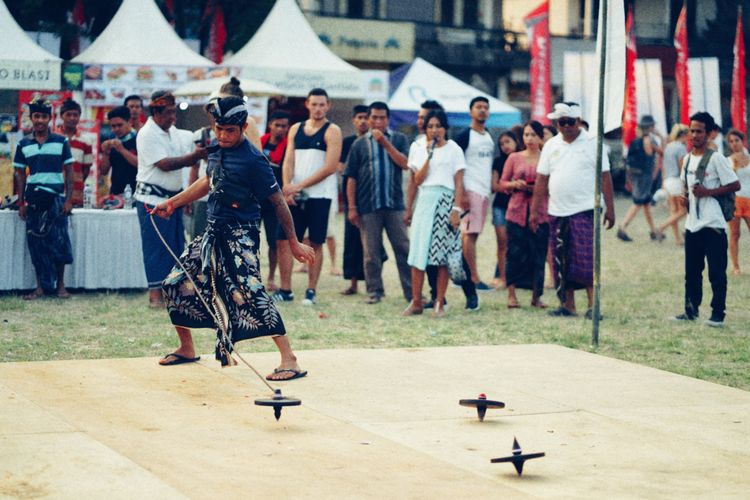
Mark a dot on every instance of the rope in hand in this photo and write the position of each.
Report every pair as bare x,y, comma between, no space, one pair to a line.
219,324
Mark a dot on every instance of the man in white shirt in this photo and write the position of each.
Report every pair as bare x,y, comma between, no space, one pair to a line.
163,151
706,226
567,173
479,151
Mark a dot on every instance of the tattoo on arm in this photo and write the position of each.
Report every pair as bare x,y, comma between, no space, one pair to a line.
283,214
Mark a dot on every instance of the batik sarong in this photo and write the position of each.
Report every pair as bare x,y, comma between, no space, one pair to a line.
223,263
572,242
432,235
526,256
49,241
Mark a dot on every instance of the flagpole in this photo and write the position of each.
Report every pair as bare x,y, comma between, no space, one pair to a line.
598,178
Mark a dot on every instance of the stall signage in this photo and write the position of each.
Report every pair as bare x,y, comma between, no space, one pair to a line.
365,40
29,75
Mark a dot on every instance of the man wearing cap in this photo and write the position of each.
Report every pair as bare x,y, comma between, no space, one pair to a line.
162,152
642,159
81,147
567,174
223,262
44,200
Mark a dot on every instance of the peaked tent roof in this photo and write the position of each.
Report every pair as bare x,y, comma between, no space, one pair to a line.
17,46
423,81
139,34
23,63
286,52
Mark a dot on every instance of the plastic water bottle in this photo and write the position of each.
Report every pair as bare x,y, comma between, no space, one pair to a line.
127,197
87,195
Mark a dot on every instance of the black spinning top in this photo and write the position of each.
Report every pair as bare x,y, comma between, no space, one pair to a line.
278,402
481,404
518,458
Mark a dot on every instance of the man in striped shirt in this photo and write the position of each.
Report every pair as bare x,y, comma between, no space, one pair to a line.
81,147
44,199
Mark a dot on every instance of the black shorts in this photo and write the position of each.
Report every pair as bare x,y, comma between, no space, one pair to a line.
312,215
270,223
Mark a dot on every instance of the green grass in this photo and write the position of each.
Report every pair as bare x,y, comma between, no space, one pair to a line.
642,287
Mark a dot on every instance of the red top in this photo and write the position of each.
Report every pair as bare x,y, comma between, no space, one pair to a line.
518,167
81,147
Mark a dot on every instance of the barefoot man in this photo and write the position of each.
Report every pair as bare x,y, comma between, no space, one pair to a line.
223,262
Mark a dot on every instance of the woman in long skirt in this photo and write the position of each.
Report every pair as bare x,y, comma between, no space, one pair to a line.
437,212
527,249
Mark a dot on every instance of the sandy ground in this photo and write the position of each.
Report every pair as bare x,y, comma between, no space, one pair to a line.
373,424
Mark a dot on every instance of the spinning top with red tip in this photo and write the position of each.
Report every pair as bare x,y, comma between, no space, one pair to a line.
481,404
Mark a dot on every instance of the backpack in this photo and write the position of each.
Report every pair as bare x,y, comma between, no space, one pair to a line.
726,201
637,157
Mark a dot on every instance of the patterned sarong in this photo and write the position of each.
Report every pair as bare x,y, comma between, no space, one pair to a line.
572,242
432,236
49,241
224,264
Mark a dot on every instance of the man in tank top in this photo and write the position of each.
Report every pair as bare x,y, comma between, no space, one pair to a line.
309,169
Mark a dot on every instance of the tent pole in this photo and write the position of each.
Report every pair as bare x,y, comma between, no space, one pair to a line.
604,14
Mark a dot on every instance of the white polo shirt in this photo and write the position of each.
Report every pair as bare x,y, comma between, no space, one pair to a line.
706,212
571,168
155,144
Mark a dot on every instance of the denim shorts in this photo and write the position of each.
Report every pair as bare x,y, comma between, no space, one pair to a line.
498,216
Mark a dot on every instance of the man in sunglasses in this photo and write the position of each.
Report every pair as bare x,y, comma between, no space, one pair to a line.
566,173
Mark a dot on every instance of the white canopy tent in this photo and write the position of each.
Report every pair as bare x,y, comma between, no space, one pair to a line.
23,63
204,88
139,34
286,52
420,81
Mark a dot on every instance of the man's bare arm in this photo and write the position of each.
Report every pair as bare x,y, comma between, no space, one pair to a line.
178,162
287,168
283,215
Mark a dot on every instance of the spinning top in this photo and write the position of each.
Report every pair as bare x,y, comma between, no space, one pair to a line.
278,402
481,404
518,458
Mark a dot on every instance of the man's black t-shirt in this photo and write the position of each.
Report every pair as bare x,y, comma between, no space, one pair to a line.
346,145
123,173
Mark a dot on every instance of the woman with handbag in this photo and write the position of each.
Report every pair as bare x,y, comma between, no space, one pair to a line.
527,249
437,212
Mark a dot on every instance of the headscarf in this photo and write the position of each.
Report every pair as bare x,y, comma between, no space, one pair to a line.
228,110
40,106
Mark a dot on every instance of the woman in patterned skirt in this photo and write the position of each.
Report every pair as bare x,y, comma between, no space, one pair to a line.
437,212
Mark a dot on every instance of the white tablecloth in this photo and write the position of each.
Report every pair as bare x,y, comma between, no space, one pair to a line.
106,251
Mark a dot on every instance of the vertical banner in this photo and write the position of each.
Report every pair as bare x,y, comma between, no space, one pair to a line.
705,88
614,72
537,26
630,111
739,97
681,72
649,92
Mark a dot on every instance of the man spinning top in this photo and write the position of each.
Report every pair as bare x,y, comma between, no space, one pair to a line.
223,261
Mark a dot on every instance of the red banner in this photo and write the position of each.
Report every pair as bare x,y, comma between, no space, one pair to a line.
681,67
739,98
537,25
217,36
630,109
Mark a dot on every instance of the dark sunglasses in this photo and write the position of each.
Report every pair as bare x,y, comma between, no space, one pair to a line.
566,122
